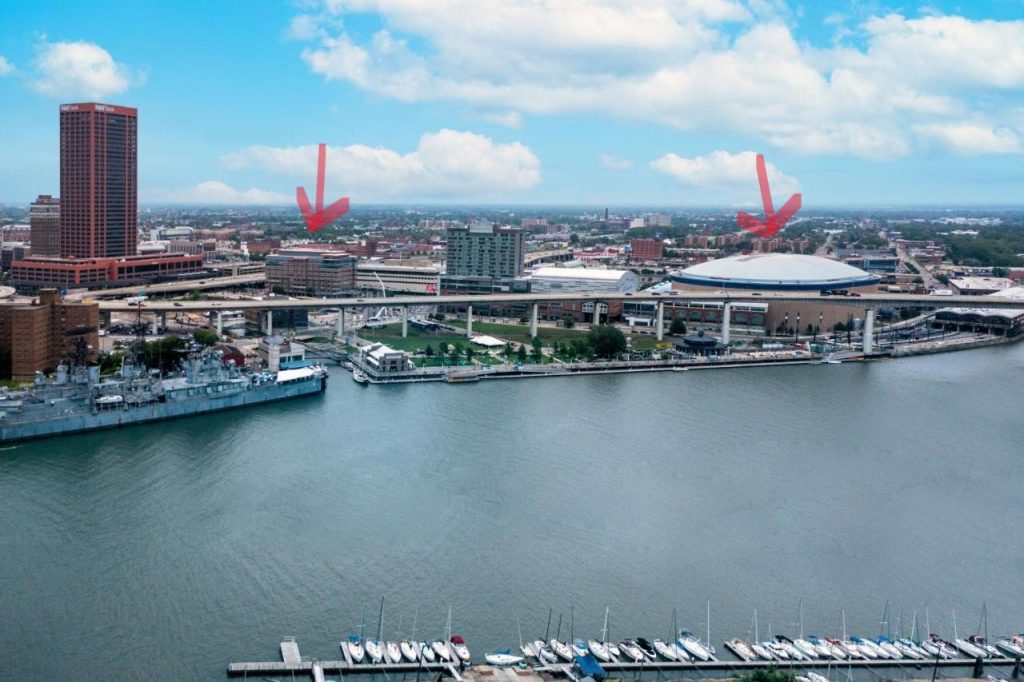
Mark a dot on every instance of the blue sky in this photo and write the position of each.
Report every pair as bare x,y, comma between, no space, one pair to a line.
609,102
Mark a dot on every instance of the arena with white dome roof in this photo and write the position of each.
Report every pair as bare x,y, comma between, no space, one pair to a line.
775,271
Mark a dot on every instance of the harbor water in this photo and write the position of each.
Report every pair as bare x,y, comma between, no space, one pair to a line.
164,551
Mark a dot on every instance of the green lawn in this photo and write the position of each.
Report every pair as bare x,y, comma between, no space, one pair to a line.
417,340
520,333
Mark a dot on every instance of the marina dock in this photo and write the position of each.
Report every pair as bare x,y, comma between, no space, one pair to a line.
293,664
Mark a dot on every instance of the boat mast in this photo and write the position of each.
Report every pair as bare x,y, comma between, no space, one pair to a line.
559,632
604,632
755,625
547,630
927,622
709,623
801,618
844,625
572,624
955,636
380,621
519,627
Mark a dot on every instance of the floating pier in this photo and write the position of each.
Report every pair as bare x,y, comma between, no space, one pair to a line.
293,664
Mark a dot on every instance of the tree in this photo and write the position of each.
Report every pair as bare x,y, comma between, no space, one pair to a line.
574,238
810,329
205,337
678,326
429,351
456,350
277,289
606,340
536,342
537,354
163,354
568,322
521,354
469,354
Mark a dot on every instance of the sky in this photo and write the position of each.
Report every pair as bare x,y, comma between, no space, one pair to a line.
581,102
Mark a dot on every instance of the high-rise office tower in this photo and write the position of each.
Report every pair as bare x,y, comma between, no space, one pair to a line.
99,212
44,222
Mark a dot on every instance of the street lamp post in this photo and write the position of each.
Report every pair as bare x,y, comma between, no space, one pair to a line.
796,336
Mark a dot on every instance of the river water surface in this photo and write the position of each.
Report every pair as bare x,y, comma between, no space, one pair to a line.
163,552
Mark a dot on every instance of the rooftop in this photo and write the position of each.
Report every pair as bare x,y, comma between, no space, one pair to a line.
776,271
579,273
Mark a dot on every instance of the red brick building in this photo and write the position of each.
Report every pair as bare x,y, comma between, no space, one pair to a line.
40,335
99,214
646,249
34,273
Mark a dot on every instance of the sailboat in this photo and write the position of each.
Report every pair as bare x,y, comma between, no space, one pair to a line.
374,647
355,642
456,644
529,649
598,647
440,646
540,645
410,647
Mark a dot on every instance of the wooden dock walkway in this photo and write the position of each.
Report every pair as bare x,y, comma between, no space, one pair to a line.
293,664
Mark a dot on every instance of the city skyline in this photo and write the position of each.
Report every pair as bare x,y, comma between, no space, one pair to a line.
660,104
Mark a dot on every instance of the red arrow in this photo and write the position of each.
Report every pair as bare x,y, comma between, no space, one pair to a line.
322,216
773,222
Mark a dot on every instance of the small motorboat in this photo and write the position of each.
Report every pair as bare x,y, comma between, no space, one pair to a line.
867,649
1011,647
886,645
646,647
631,651
543,652
426,652
359,377
442,651
741,649
980,642
909,649
599,650
528,649
561,649
375,650
806,648
850,649
787,644
355,648
778,651
665,650
503,659
393,652
458,645
410,650
694,646
969,649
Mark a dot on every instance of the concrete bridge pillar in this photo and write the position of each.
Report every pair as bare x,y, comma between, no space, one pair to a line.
469,321
533,320
869,332
105,319
156,325
405,321
220,323
339,329
270,323
597,312
726,321
659,322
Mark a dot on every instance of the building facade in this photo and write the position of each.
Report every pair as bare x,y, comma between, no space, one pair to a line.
40,335
34,273
99,215
312,271
44,222
485,250
646,249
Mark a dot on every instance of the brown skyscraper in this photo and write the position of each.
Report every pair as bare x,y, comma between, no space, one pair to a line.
99,213
44,219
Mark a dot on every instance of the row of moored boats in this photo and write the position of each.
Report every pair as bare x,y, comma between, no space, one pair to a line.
783,648
688,648
378,652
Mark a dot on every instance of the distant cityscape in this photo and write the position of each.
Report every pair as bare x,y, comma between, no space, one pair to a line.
92,242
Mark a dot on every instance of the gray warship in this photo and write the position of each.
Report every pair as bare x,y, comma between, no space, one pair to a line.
78,399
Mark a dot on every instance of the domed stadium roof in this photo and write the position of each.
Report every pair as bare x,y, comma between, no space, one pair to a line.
775,271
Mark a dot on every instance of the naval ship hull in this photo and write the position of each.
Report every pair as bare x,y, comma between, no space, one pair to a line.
158,411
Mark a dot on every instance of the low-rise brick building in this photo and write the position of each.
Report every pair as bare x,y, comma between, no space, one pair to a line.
38,336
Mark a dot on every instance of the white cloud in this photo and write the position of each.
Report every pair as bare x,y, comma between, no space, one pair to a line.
445,164
614,163
80,69
669,62
972,139
509,119
6,67
216,192
721,169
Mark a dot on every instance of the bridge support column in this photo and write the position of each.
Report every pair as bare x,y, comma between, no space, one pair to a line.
533,320
469,321
405,321
597,313
339,328
270,323
156,325
726,321
220,323
163,320
105,319
869,332
659,321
